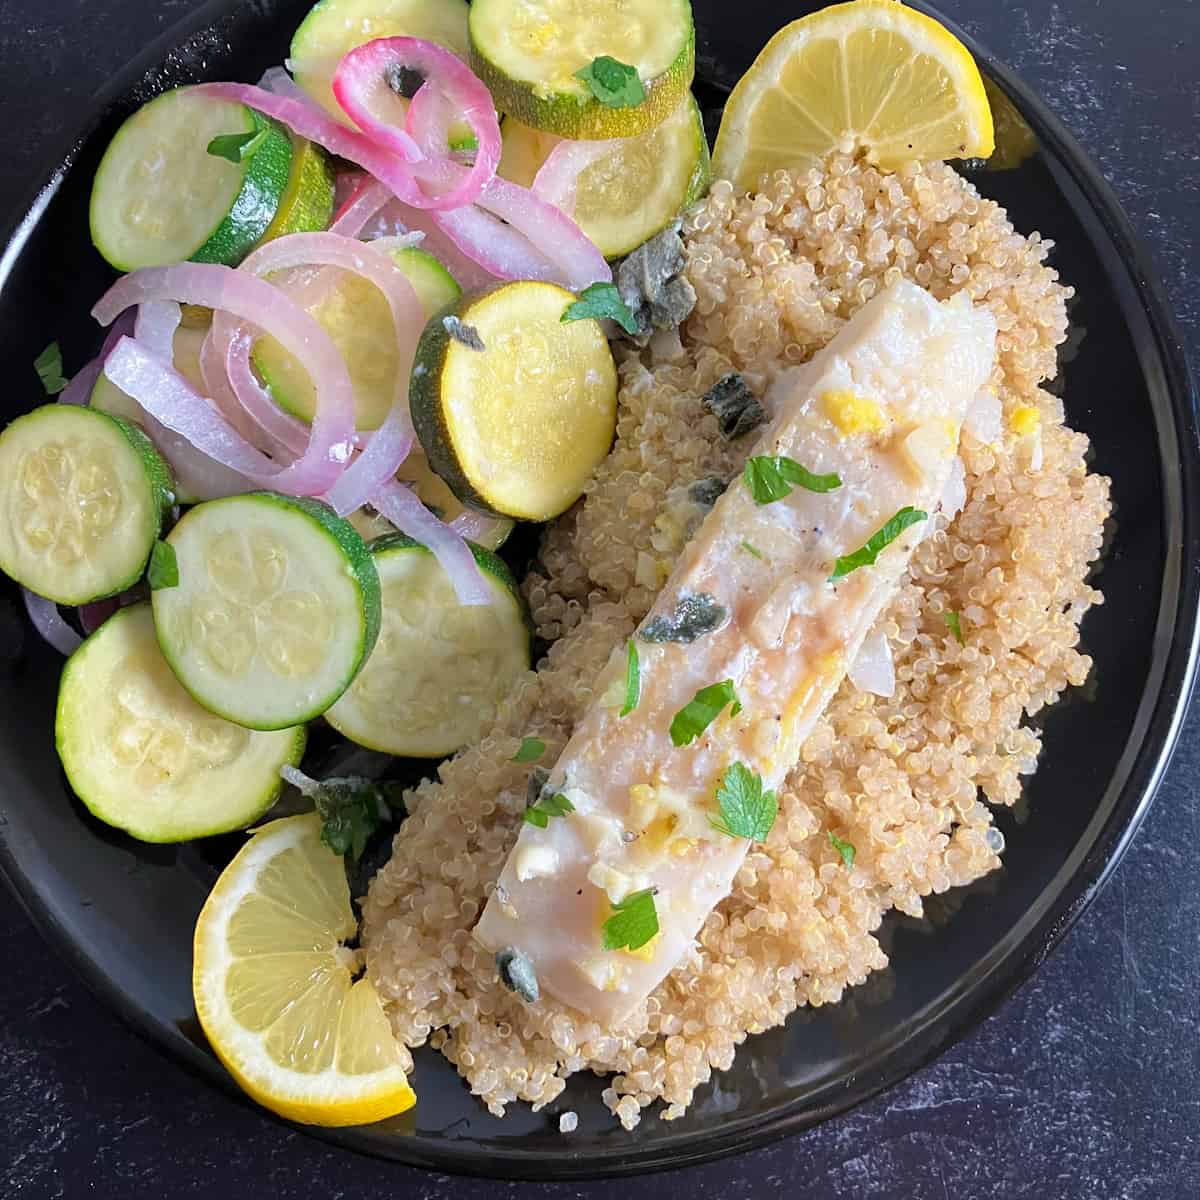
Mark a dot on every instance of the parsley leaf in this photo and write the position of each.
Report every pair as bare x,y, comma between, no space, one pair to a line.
954,624
613,83
752,549
633,923
539,813
845,849
598,301
531,750
770,479
699,713
633,679
48,365
746,810
237,147
163,569
865,556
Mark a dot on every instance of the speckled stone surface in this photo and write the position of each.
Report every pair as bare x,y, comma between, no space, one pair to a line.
1085,1085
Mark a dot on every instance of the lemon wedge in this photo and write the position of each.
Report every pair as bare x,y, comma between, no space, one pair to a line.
274,985
869,76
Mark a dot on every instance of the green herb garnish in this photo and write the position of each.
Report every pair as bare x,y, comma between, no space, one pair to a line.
539,814
770,479
599,301
954,624
531,750
48,365
699,713
752,549
163,569
237,147
865,556
845,849
613,83
633,923
633,679
746,810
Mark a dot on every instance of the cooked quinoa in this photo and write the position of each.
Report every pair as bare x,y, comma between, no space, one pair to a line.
902,779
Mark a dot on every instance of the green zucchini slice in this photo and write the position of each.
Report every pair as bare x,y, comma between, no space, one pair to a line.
275,612
143,756
82,499
440,670
160,197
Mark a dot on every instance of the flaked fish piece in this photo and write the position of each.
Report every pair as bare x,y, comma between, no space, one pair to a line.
777,608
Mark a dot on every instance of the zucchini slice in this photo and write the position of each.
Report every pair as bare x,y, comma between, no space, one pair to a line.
109,398
356,316
625,198
515,428
307,202
144,756
275,612
335,27
528,52
440,671
159,197
82,500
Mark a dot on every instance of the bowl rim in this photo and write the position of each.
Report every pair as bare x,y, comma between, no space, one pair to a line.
1024,949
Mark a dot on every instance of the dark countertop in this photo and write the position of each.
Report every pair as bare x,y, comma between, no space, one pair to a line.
1085,1084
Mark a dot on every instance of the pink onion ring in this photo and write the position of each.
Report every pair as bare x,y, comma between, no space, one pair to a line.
389,445
361,87
287,435
400,506
157,321
47,620
318,126
365,202
180,408
558,177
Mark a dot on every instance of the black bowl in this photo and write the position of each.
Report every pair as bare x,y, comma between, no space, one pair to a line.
122,913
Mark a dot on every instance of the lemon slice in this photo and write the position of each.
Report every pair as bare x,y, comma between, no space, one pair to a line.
274,986
871,76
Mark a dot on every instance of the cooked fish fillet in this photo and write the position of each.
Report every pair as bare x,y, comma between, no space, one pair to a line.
881,407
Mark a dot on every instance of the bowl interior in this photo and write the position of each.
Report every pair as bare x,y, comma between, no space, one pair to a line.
123,912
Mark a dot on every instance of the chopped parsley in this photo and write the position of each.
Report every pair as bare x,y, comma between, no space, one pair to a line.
865,556
754,550
695,615
633,923
746,810
770,479
163,570
700,712
48,365
531,750
633,679
541,811
954,624
237,147
615,84
598,301
845,849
